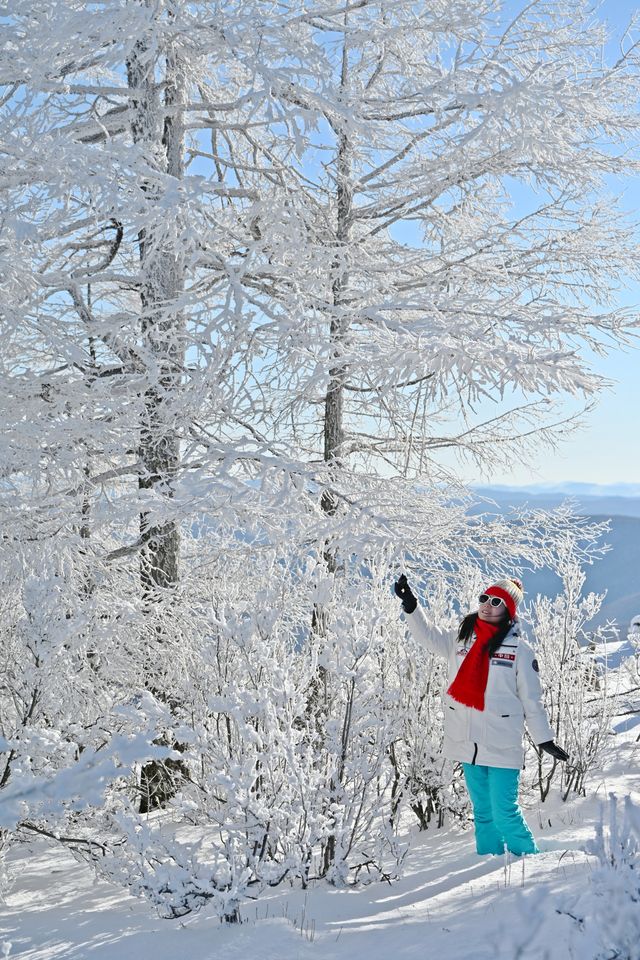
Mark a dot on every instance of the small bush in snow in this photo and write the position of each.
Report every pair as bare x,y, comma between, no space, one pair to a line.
611,916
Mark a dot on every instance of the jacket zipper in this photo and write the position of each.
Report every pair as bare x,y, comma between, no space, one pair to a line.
475,752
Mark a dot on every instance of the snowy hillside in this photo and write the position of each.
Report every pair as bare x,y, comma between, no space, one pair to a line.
450,903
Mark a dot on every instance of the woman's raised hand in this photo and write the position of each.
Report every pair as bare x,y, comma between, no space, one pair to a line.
403,590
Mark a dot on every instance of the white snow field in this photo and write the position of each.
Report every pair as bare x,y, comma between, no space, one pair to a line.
449,905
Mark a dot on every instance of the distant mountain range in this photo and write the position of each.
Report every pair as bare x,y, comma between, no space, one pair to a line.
573,489
618,572
604,501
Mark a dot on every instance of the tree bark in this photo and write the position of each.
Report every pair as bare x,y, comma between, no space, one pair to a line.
159,128
161,322
334,400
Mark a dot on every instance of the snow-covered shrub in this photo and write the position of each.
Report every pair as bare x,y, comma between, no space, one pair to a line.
602,920
610,912
283,736
576,692
629,671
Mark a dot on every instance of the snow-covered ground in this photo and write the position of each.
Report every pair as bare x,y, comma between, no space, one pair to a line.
450,903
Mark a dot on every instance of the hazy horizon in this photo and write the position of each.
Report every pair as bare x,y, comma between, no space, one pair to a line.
584,487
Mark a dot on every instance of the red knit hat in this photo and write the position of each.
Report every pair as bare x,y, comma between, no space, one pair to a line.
510,590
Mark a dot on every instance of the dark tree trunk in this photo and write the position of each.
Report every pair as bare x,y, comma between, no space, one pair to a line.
334,411
160,131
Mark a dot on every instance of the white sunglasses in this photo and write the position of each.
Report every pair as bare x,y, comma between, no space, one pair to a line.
494,601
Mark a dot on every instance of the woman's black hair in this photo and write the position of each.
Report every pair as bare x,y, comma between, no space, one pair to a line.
469,622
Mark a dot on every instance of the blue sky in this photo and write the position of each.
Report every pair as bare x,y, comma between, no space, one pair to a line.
607,449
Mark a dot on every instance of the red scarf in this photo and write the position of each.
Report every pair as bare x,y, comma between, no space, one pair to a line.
470,682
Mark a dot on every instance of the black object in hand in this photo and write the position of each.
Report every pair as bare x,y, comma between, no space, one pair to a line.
554,750
403,590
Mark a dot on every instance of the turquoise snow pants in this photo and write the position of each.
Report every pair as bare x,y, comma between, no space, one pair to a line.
497,815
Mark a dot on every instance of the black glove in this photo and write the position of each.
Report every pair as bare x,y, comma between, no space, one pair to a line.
554,750
403,590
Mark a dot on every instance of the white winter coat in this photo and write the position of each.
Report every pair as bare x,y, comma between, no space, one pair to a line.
493,736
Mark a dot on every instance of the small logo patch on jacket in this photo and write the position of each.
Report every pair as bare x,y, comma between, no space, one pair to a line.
503,659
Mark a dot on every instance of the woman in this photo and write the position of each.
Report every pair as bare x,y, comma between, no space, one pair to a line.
494,687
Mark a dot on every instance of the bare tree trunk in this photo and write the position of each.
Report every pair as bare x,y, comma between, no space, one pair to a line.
159,128
161,324
334,400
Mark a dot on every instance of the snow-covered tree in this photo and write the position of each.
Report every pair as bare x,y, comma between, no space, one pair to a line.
428,287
